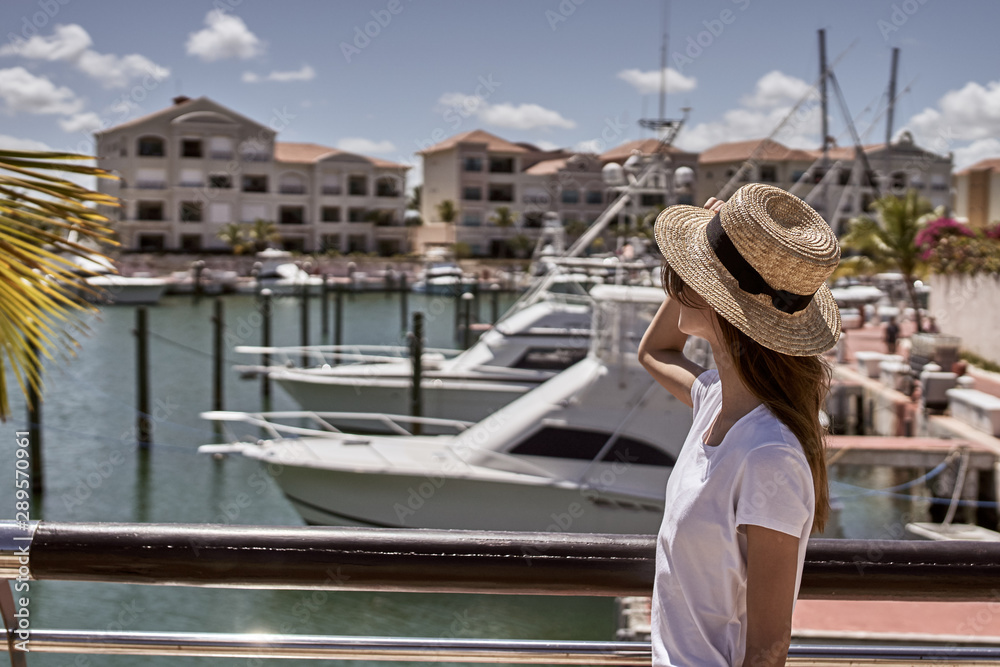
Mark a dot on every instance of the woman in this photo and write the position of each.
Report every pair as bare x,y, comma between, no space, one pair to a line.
749,486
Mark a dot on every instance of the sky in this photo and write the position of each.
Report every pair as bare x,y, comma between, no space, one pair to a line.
390,77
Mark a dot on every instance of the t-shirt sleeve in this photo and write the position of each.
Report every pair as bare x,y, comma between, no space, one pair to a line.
776,490
700,387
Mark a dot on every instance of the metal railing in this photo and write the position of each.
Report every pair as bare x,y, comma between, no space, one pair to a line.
450,561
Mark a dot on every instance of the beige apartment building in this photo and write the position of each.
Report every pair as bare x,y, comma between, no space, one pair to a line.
190,169
480,172
977,194
830,190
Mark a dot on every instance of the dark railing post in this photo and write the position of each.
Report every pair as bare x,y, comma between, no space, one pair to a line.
304,322
218,325
338,319
494,303
404,307
144,425
417,364
265,341
35,422
324,309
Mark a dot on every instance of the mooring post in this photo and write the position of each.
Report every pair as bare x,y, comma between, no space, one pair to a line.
255,274
494,303
416,362
404,296
265,341
218,325
199,268
35,421
144,423
390,283
324,309
467,300
304,323
338,320
458,312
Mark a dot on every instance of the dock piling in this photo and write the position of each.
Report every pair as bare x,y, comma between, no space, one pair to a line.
35,422
404,306
467,300
265,341
494,303
338,317
304,322
324,309
144,425
416,361
217,329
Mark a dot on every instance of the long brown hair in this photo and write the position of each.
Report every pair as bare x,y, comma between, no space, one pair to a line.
792,388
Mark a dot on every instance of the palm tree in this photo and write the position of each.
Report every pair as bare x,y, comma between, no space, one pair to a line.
44,220
888,241
235,236
447,211
262,234
414,201
503,218
575,228
520,244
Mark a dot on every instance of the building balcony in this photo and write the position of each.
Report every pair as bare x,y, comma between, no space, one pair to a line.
191,184
332,190
151,185
292,189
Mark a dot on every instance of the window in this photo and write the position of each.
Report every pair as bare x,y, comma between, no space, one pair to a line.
595,197
471,219
503,192
844,177
151,179
768,173
220,181
386,187
572,443
470,193
191,242
388,247
190,211
330,242
330,214
356,214
797,175
472,164
357,243
291,215
652,199
149,210
150,147
571,196
220,148
255,184
357,186
550,358
292,184
533,219
331,184
898,180
220,212
151,242
502,165
293,244
192,178
191,148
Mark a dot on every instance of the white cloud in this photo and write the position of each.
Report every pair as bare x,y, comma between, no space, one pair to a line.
518,117
21,90
226,36
365,146
776,89
69,43
547,145
590,146
10,143
646,82
970,113
87,121
981,149
758,115
304,73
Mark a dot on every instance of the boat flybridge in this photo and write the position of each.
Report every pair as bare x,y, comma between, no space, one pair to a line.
589,450
543,333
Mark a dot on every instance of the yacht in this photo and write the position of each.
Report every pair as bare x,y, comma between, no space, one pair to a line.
107,286
589,450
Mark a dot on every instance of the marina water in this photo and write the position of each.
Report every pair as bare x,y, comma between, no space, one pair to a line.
95,472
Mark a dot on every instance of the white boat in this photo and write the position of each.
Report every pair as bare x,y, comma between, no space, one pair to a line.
442,278
587,451
109,287
544,334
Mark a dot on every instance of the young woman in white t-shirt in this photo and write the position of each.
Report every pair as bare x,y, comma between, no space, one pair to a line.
749,276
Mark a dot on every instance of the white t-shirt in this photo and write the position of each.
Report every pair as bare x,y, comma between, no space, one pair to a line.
757,475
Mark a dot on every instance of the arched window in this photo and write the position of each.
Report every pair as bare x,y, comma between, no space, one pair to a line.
292,184
387,186
151,147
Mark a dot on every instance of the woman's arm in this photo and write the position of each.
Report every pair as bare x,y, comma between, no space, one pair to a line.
772,562
661,352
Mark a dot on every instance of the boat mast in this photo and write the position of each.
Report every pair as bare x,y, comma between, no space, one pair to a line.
890,114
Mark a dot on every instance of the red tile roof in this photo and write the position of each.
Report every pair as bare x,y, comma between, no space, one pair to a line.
493,143
547,166
989,164
643,146
286,151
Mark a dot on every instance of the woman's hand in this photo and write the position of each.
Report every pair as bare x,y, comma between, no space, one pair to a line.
714,205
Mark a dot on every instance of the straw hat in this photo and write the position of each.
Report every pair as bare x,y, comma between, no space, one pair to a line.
762,263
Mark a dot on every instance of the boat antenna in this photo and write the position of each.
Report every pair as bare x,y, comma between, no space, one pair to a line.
665,128
890,114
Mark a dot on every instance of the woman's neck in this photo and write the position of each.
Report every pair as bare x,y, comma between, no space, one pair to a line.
737,401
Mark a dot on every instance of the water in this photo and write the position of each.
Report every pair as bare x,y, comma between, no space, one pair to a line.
93,472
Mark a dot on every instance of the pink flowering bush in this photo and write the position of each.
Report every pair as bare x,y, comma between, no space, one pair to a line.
930,236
